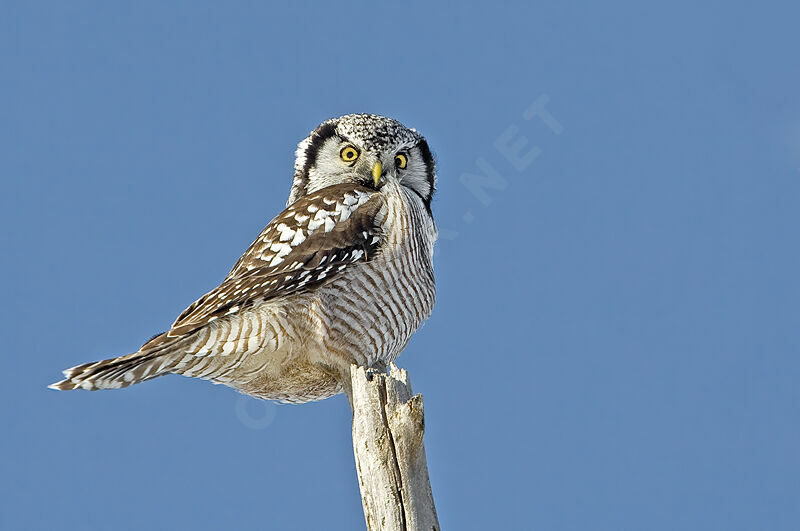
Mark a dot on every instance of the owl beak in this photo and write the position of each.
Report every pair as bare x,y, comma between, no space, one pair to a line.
377,171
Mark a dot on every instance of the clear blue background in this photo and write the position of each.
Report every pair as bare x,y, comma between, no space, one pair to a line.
615,343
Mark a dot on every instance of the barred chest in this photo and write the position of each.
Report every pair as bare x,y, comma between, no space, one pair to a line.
373,309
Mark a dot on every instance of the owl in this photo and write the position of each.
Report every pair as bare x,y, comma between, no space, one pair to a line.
344,275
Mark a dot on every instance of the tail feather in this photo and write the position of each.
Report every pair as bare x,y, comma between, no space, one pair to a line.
116,373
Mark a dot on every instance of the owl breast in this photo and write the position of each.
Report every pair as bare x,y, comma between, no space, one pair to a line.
374,310
365,316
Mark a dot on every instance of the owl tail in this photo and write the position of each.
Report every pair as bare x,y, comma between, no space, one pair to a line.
119,372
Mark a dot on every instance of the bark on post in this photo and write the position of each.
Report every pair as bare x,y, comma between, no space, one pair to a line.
388,428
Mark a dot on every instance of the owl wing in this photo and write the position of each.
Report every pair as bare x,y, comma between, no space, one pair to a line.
313,241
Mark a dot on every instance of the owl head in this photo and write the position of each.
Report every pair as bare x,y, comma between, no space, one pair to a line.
364,149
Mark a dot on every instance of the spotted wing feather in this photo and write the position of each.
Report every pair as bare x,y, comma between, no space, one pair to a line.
311,242
316,213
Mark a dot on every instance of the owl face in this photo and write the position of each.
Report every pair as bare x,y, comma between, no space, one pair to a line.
364,149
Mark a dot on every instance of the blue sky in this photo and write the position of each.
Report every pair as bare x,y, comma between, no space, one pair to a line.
615,341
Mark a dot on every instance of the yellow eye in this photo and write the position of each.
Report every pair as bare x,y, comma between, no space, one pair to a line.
401,161
349,154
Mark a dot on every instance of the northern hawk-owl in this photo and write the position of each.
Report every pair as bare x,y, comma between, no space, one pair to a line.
343,275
